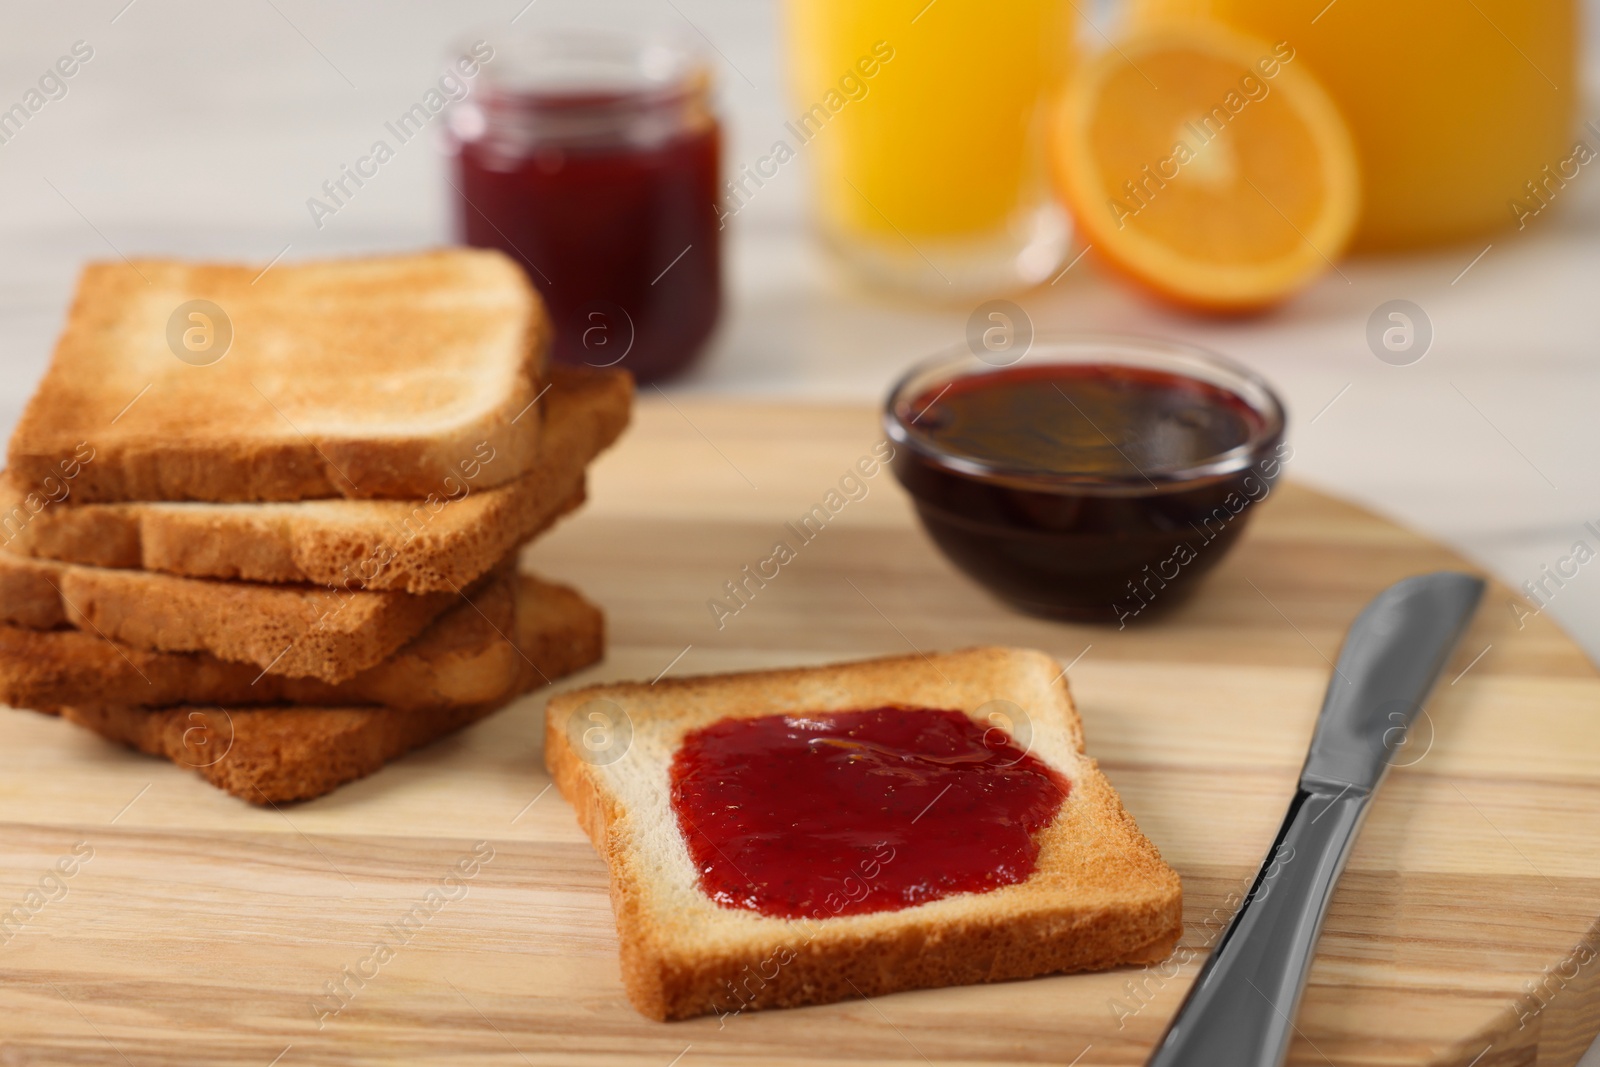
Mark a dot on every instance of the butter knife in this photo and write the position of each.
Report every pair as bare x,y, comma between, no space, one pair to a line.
1240,1011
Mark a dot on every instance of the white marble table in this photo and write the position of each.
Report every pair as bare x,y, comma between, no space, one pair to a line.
201,129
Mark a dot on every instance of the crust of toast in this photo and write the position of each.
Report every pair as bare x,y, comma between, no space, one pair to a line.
480,652
431,545
1099,897
364,378
276,755
295,630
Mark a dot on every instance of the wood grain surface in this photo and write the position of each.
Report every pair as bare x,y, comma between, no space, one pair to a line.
193,928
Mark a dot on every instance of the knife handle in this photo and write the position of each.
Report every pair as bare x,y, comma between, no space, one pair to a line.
1241,1008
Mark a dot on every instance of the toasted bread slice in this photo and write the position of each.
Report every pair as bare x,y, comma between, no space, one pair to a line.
367,378
480,651
422,546
281,754
1099,894
300,631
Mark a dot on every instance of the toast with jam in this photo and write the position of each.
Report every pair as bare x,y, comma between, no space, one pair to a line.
805,836
440,542
365,378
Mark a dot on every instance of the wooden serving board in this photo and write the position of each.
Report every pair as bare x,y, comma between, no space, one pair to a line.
202,930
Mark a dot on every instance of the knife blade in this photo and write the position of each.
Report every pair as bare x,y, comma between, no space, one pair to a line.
1240,1010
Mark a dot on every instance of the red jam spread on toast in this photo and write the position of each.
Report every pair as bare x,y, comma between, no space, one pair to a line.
846,813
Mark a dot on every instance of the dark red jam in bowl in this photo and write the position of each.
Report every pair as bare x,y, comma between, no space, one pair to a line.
844,813
594,159
1096,478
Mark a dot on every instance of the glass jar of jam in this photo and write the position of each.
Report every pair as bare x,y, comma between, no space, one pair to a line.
1096,478
593,158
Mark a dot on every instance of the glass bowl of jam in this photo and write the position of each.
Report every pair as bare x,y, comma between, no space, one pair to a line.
1096,478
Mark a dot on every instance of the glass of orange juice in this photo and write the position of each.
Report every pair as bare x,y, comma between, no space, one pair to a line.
923,123
1458,109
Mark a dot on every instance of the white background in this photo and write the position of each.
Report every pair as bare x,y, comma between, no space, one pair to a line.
201,129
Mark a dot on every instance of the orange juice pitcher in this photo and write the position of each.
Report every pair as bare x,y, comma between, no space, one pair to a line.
1457,106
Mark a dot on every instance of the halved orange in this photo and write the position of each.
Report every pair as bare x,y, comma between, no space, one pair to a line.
1210,167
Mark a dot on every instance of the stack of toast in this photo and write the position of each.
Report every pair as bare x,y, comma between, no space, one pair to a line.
266,523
